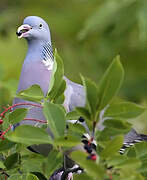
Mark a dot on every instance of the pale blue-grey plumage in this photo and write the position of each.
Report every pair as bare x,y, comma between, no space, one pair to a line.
35,68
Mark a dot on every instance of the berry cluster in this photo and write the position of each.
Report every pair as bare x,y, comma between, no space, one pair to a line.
90,146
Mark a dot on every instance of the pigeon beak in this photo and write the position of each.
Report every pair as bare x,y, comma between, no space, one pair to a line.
22,31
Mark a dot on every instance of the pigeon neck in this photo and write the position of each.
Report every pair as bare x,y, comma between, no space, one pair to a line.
40,51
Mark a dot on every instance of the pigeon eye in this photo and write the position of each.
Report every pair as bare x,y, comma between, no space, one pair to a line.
40,25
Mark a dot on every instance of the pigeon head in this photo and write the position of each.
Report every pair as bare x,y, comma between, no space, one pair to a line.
34,28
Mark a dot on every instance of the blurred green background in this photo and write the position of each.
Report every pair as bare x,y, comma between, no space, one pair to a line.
87,34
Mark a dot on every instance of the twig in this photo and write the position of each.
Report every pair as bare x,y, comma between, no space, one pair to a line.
19,104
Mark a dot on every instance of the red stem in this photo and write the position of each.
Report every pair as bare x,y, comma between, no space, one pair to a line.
3,133
33,119
19,104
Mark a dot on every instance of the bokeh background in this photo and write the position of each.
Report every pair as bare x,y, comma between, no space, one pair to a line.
88,35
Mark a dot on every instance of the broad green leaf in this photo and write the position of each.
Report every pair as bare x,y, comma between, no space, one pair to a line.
6,145
52,162
32,163
55,117
29,135
15,177
117,124
76,128
33,93
143,168
60,92
2,165
91,95
112,147
11,161
109,132
31,177
116,160
83,112
123,162
57,83
82,176
67,141
141,149
39,175
130,174
93,170
131,153
73,115
131,163
110,83
60,99
124,110
17,115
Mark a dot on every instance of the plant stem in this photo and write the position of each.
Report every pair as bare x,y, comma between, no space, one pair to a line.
19,104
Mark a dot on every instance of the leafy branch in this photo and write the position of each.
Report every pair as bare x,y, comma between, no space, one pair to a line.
93,141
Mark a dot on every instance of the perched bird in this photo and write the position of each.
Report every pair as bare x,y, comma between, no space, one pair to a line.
38,65
37,69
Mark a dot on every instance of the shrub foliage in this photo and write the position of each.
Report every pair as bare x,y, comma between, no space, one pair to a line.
106,118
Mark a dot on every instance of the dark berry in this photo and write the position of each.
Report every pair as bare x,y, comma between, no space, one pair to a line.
81,119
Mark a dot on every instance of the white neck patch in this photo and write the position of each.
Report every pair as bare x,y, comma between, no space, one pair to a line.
48,63
47,55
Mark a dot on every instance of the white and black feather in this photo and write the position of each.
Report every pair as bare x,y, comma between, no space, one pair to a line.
47,55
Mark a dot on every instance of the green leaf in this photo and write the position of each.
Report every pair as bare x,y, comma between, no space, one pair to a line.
112,147
83,112
15,177
124,110
32,163
11,161
2,165
91,95
117,124
29,135
82,176
33,93
123,163
6,145
110,83
131,163
141,149
17,115
143,168
60,92
109,132
52,162
55,117
76,128
93,170
60,99
57,83
131,152
116,160
39,175
73,115
67,141
31,177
